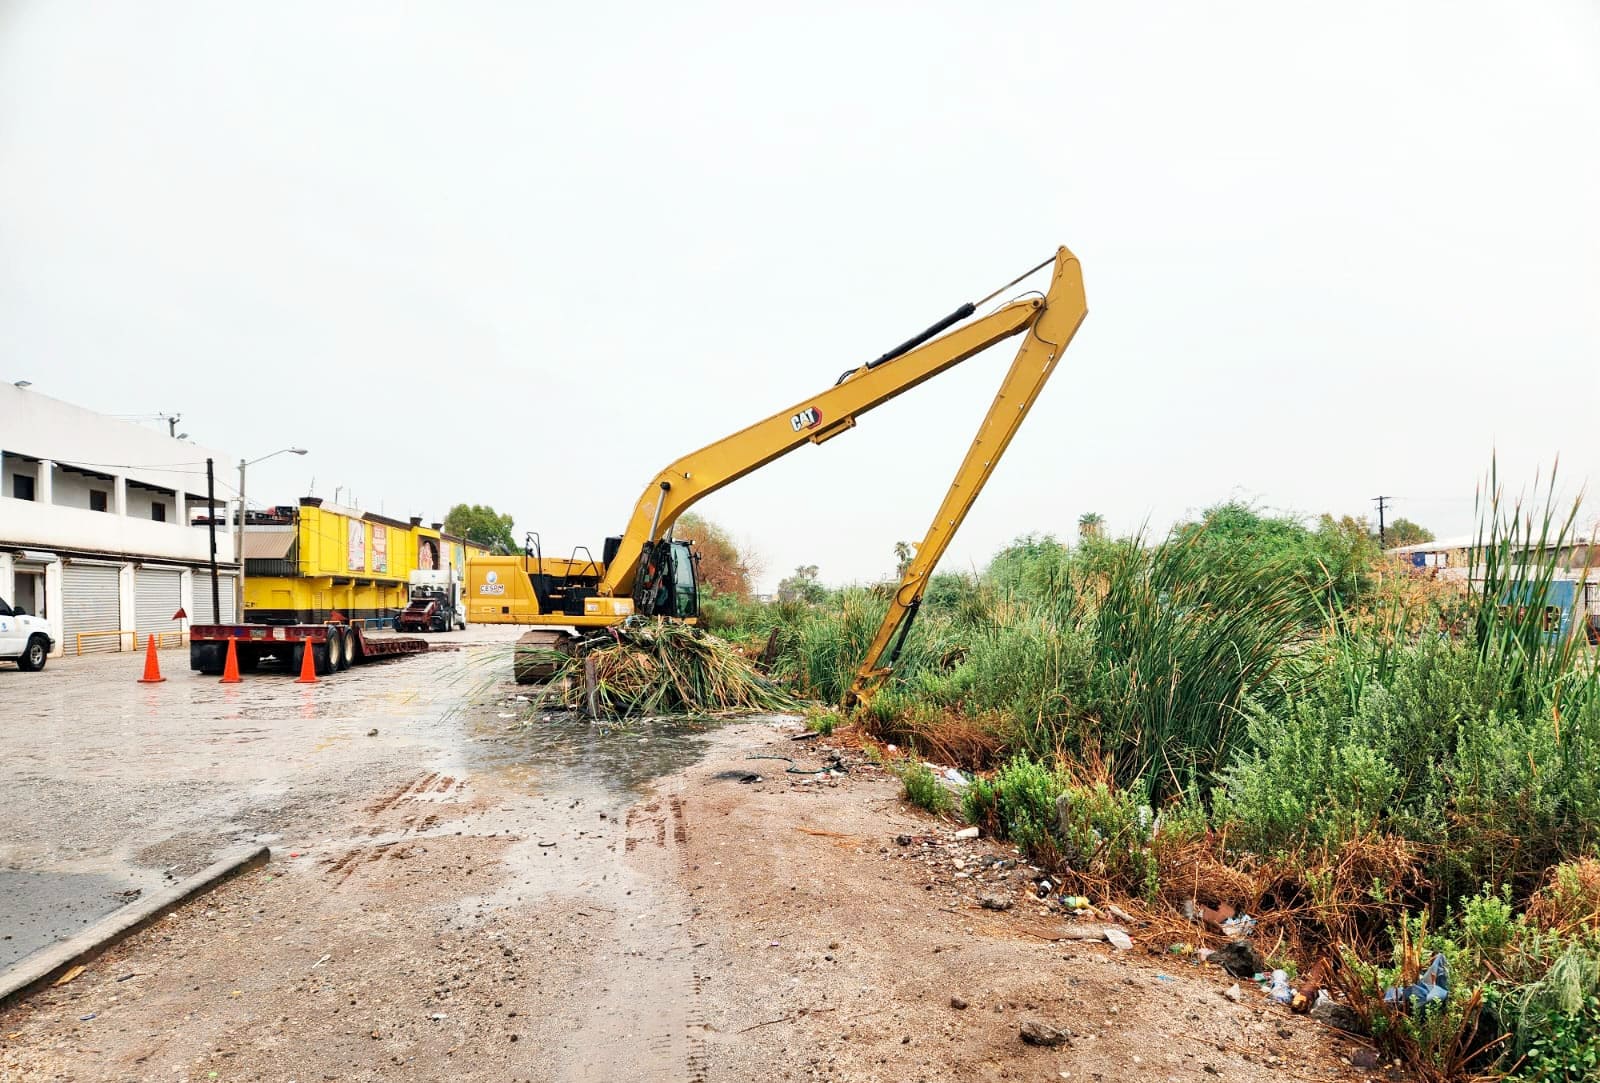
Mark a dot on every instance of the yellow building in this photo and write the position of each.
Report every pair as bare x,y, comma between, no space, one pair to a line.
303,564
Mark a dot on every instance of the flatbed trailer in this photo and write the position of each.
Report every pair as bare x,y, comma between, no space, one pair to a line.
333,646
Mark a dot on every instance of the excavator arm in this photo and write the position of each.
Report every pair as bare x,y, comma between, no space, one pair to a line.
1049,321
1057,321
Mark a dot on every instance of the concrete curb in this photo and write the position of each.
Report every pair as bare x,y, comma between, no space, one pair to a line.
44,965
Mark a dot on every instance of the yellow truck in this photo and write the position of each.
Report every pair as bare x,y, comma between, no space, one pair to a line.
644,571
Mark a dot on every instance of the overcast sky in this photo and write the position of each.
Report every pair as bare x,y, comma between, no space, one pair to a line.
528,254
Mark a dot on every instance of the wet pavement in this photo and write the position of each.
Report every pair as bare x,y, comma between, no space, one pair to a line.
113,788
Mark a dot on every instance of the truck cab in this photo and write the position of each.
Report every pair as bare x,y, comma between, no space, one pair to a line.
434,603
23,639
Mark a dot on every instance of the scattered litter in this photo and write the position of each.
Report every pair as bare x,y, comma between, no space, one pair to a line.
954,777
1239,927
373,732
503,715
994,902
1278,987
1432,988
1119,939
1119,913
1239,958
1338,1016
1234,993
436,1016
70,974
319,962
86,1018
967,833
547,844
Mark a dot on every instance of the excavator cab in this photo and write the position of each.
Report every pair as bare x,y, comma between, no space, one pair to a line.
668,584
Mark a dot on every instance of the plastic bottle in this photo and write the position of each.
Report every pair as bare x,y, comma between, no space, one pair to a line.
1280,990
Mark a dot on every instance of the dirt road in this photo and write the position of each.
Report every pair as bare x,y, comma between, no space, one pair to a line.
493,894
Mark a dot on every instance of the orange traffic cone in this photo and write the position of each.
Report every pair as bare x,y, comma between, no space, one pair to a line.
308,663
152,665
230,667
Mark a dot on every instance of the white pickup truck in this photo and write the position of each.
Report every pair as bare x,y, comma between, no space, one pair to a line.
23,639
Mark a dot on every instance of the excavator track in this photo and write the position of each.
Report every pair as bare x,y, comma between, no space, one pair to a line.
532,662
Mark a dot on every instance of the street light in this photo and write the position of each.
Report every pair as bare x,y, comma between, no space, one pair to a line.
238,534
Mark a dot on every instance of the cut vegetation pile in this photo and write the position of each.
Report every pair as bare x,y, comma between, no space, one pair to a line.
642,669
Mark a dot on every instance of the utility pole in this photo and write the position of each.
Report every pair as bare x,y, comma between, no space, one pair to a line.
238,542
211,527
1383,540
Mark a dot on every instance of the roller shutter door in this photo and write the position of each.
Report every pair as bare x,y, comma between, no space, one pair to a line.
226,585
90,602
229,585
156,597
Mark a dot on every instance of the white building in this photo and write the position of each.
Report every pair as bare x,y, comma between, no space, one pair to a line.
97,531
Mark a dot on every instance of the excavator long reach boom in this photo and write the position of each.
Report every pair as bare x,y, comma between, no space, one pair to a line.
1048,322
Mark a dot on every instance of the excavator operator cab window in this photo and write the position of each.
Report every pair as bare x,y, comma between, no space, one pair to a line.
686,593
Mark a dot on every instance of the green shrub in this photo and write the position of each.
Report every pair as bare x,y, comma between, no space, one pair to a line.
1556,1021
821,720
1106,833
923,789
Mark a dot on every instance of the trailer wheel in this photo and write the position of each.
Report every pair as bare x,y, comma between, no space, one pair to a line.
346,642
335,649
207,658
319,658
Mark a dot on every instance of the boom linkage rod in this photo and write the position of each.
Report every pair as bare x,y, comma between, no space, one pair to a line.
948,322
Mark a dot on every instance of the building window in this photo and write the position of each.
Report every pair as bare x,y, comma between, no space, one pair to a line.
22,487
158,511
97,500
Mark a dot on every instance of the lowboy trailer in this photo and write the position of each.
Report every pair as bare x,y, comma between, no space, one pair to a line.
332,646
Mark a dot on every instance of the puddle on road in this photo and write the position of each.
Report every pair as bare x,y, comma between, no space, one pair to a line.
564,752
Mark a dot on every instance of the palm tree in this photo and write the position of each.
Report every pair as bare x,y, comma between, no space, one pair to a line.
1091,524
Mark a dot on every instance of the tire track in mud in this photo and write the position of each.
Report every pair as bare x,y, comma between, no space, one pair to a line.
646,1021
400,813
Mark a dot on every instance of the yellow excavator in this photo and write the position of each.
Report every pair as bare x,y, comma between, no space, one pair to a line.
645,572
